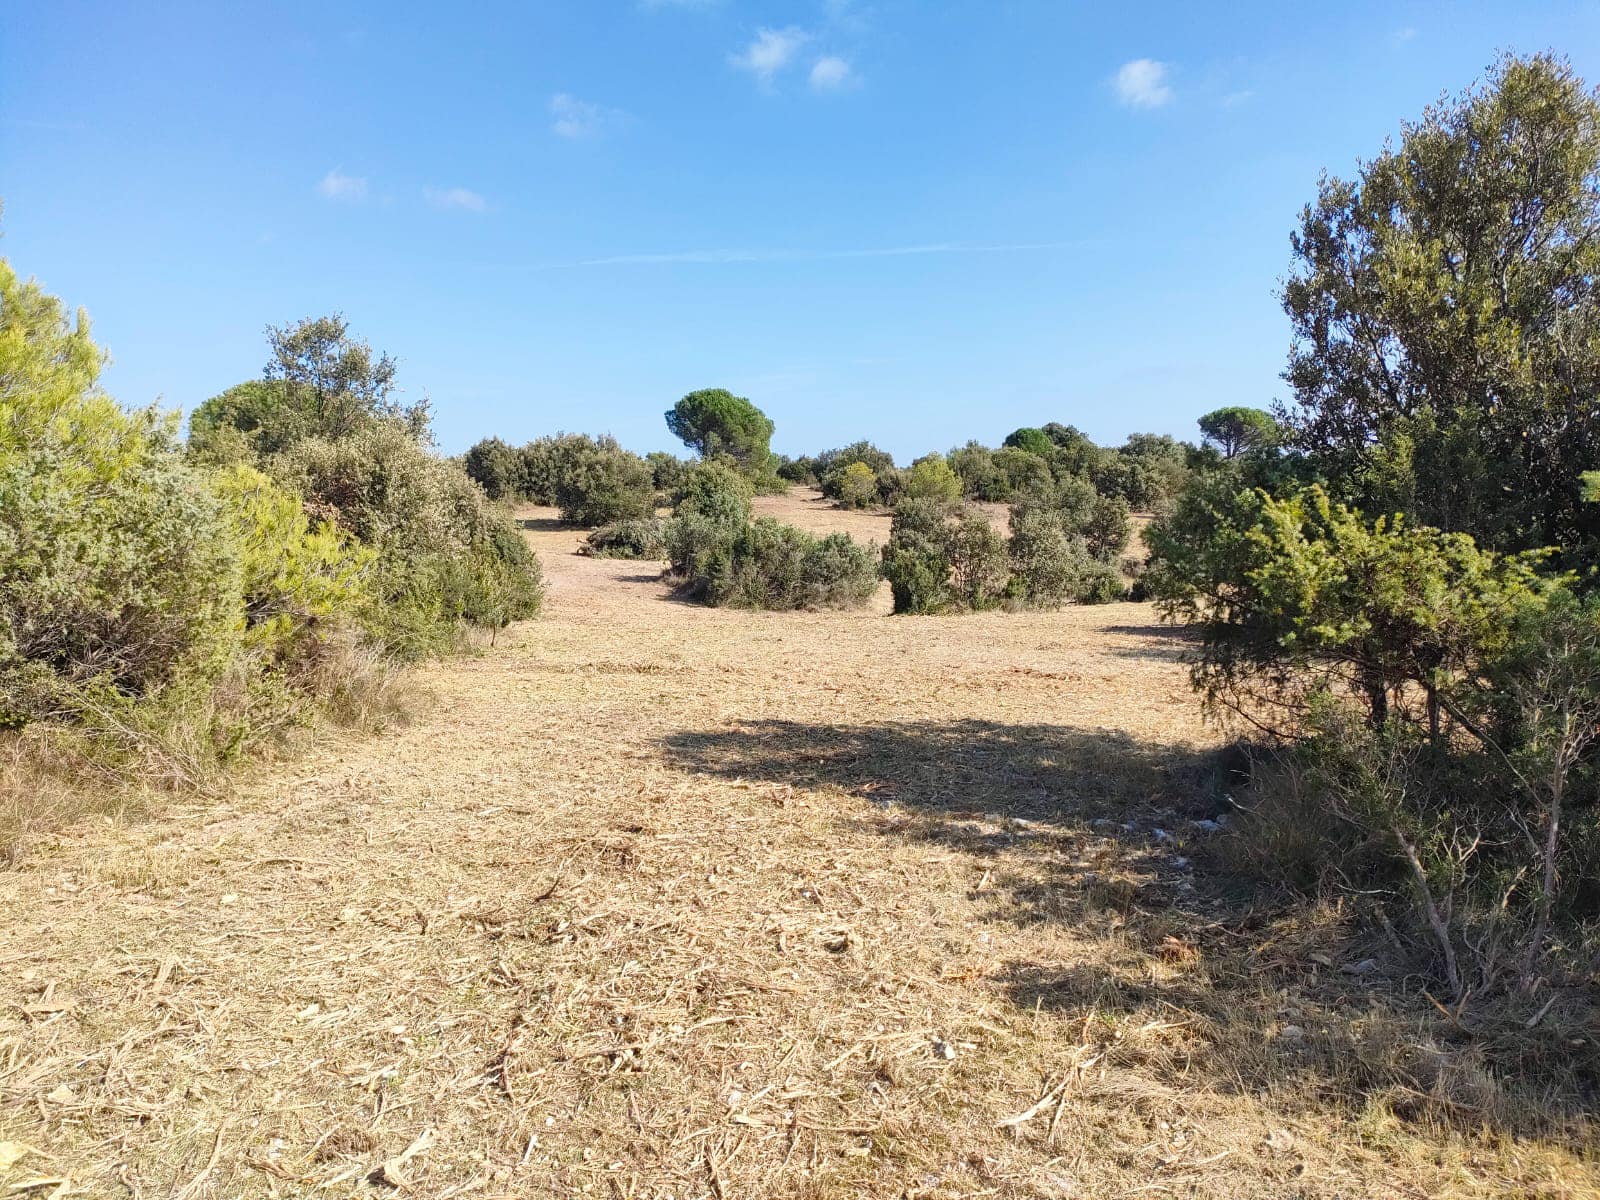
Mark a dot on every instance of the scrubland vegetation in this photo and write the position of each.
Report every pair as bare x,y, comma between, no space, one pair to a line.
802,889
170,606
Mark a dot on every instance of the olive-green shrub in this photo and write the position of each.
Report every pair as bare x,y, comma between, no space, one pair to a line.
633,538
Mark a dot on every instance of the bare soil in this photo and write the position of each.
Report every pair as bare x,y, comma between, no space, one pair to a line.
656,900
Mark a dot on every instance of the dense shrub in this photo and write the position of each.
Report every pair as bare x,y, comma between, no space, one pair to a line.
154,611
854,486
498,468
634,538
713,505
769,565
1019,470
942,556
666,471
930,478
597,482
1034,441
445,556
1050,568
802,470
980,478
719,555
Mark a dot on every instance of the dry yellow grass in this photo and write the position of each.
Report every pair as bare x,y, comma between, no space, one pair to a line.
659,900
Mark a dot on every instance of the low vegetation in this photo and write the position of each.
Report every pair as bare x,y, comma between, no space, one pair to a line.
1393,589
166,609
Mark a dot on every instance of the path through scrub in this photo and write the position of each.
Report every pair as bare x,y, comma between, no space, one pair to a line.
657,900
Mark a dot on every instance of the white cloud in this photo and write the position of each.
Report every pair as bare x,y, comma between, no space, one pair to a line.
770,52
336,185
830,73
574,118
1142,83
456,197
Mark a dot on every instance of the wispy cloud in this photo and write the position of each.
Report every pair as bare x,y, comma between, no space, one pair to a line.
460,198
770,52
1142,83
336,185
796,255
831,73
1403,35
574,118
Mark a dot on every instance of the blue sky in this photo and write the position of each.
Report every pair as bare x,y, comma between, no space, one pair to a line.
916,222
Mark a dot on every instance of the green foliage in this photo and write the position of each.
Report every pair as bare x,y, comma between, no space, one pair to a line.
855,486
848,487
1148,471
980,478
1019,470
1283,591
930,478
497,468
716,491
1052,560
1446,320
295,580
163,615
1237,430
1034,441
598,482
666,471
244,423
769,565
802,470
643,538
714,421
445,555
943,556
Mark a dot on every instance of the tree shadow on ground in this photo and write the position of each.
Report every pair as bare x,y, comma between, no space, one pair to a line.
544,524
1100,833
1171,643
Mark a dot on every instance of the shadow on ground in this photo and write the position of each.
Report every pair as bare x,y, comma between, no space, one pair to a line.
544,524
1096,832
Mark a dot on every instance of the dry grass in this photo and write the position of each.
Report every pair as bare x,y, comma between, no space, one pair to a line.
662,900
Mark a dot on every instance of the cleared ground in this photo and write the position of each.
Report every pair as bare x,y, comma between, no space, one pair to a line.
657,900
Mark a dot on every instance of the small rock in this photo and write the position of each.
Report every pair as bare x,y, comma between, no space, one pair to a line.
1208,826
1365,967
1161,835
1292,1033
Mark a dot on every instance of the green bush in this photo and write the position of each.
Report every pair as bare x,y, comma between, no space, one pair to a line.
716,490
666,471
931,478
980,478
1034,441
635,538
854,486
497,468
445,555
1019,470
942,556
597,482
770,565
156,615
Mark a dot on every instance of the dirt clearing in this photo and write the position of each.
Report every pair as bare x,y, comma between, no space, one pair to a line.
657,900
